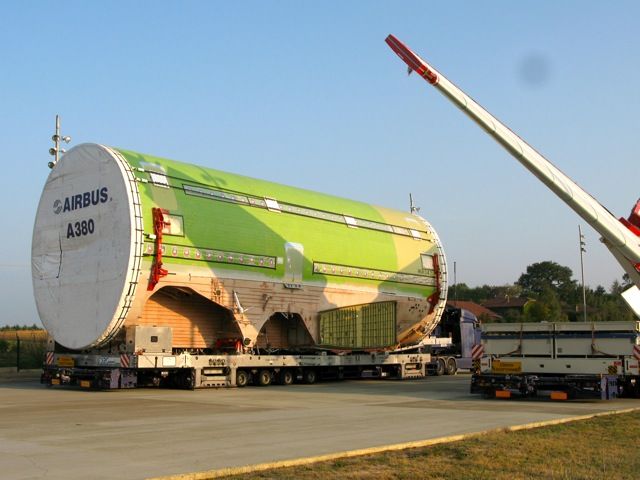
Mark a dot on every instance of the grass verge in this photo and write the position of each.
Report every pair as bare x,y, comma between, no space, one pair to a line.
602,447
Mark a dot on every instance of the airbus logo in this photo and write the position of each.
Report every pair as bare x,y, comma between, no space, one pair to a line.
81,200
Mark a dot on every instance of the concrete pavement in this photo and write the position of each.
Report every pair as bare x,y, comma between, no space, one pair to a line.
61,433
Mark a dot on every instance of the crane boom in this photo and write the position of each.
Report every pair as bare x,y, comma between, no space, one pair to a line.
621,236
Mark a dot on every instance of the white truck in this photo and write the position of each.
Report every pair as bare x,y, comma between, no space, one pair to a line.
561,360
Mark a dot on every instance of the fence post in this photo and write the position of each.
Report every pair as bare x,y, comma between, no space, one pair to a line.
17,352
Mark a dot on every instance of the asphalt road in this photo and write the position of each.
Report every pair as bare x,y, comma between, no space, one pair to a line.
62,433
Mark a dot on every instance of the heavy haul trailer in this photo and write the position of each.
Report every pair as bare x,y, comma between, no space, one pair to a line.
189,370
596,359
151,271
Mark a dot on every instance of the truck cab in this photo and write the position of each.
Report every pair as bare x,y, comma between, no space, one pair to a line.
452,341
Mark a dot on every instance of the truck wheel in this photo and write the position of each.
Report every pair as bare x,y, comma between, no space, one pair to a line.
452,368
264,378
242,378
286,377
441,367
310,376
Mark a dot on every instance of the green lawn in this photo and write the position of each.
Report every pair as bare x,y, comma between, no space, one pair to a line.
606,447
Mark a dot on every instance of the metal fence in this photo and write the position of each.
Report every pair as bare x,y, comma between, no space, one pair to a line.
22,350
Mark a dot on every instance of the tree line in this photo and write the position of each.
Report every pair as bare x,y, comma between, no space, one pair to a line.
5,328
554,296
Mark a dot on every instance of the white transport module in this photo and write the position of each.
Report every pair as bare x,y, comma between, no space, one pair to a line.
148,361
563,359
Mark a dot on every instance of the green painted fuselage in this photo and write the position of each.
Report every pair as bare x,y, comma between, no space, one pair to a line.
232,223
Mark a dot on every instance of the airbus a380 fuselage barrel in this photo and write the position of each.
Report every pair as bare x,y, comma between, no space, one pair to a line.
619,237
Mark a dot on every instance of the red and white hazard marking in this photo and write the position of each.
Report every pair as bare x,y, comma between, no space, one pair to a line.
476,352
124,361
49,359
636,351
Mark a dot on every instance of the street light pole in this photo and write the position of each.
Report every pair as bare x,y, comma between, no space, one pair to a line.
583,249
55,151
455,285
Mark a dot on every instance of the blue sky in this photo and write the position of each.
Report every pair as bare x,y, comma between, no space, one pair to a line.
308,94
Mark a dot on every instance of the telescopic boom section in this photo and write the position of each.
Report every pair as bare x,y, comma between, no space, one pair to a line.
622,236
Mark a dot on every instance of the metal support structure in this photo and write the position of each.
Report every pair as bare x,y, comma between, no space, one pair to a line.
412,207
583,249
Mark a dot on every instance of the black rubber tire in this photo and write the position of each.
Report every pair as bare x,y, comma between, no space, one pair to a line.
310,376
286,377
264,378
188,380
452,367
242,378
441,367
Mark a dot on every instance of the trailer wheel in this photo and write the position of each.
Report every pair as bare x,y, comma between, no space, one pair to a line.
188,380
310,376
286,377
452,368
242,378
441,368
264,378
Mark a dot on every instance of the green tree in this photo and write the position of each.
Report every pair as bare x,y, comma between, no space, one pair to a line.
548,275
463,292
479,294
547,308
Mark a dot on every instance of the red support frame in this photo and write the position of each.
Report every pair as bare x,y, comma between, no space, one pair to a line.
157,271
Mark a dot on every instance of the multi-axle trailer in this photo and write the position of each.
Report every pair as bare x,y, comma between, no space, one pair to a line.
151,362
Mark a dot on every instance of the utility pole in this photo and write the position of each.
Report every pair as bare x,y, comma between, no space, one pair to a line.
583,249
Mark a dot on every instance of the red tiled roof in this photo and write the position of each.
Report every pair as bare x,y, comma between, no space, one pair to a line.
475,308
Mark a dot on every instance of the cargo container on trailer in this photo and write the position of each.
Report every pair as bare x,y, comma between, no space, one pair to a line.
152,271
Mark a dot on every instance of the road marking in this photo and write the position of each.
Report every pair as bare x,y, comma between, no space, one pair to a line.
223,472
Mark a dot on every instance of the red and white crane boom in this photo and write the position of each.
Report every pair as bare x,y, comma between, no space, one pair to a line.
621,236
